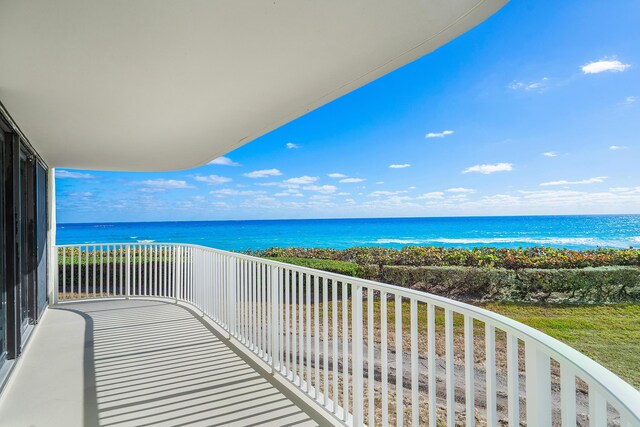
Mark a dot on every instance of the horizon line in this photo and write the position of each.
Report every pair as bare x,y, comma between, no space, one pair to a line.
344,218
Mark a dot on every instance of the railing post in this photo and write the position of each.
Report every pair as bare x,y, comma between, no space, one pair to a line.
128,272
358,386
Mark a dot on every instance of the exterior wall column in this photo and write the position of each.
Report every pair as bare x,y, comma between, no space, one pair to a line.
52,265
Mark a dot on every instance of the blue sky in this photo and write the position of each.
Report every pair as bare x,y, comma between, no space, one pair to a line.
535,111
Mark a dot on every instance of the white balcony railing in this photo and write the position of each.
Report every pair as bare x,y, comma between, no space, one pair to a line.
366,352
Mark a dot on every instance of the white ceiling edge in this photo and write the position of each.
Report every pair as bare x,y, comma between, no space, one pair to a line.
88,103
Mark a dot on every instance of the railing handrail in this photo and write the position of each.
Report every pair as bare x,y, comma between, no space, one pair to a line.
608,383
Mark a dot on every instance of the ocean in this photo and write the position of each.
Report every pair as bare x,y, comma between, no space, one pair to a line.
573,232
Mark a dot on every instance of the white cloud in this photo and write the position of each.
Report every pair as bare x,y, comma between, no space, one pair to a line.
434,195
629,100
595,180
301,180
350,180
628,190
439,134
539,86
223,161
324,189
213,179
616,147
291,145
488,169
165,183
60,173
400,166
386,193
550,154
336,175
604,65
263,173
379,182
289,193
319,197
233,192
461,190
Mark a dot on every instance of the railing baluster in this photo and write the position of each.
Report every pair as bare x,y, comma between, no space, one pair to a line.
86,270
469,372
64,273
294,326
94,270
431,363
384,363
137,261
399,367
108,277
316,335
567,396
307,287
356,343
490,373
101,271
335,336
513,383
450,368
538,376
114,278
287,312
345,351
262,314
122,279
325,338
71,260
415,367
301,360
128,271
252,268
370,357
597,407
277,325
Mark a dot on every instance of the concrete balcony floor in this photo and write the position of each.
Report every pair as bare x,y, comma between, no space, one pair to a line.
140,363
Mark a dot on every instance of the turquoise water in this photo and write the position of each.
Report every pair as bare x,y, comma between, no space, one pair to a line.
575,232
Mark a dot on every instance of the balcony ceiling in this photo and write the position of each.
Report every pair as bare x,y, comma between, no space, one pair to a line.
163,85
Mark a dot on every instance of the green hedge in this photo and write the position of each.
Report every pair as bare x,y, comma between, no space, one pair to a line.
588,285
509,258
338,267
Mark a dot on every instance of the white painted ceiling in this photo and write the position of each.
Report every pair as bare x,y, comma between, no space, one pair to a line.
163,85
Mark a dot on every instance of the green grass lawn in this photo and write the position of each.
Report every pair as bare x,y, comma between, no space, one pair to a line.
609,334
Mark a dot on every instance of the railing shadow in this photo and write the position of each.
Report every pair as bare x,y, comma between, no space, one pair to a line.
153,362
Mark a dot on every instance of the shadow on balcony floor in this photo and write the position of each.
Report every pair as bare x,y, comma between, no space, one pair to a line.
137,363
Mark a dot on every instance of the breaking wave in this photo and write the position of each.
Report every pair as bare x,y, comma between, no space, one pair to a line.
554,241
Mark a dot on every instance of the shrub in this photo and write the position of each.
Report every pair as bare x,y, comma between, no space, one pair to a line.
338,267
588,285
511,259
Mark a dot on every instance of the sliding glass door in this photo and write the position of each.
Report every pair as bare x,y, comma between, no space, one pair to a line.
23,242
3,291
